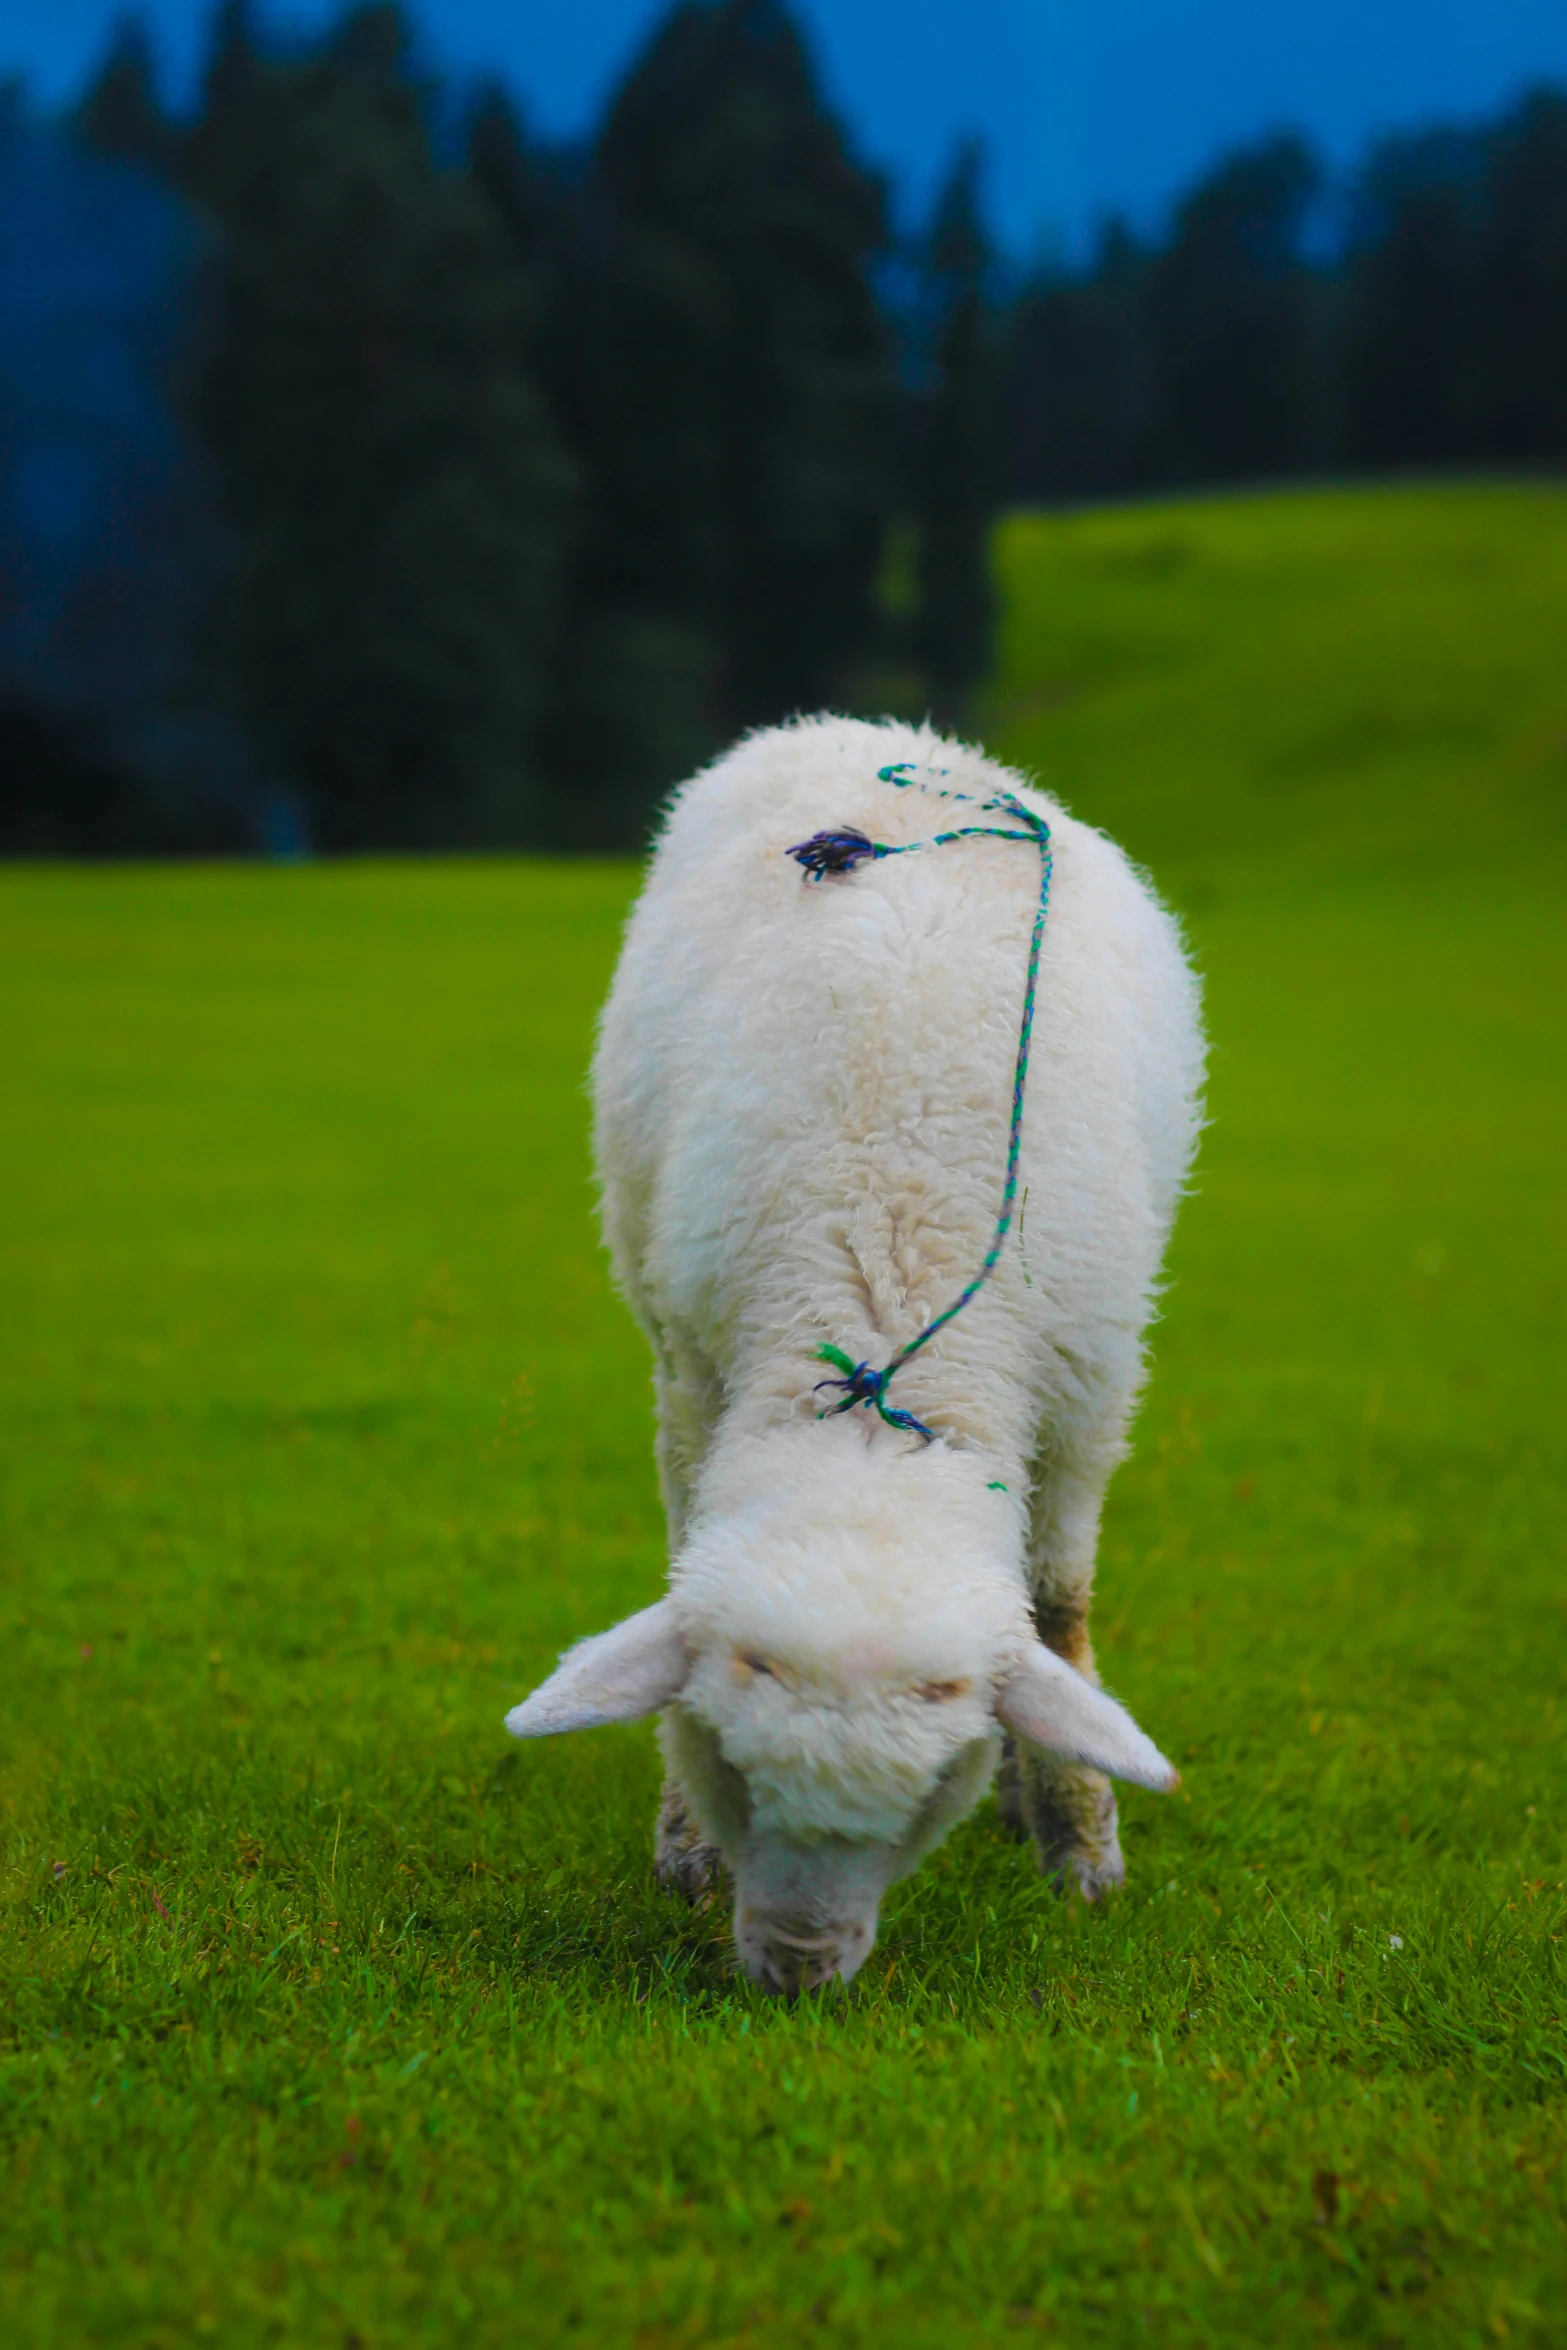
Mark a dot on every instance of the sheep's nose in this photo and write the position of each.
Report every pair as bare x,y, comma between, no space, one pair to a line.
790,1969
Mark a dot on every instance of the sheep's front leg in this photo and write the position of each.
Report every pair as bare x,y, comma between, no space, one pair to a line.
688,1396
1067,1809
684,1861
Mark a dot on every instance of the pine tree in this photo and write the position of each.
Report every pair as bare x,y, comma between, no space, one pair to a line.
1232,319
734,387
121,113
517,182
1077,389
232,83
627,710
1520,323
1407,352
957,477
390,469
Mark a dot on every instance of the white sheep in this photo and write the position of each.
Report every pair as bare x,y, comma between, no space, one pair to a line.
804,1091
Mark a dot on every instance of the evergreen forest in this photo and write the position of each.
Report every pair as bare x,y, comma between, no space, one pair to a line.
374,475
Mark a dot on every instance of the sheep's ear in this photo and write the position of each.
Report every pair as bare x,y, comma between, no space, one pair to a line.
1045,1701
616,1676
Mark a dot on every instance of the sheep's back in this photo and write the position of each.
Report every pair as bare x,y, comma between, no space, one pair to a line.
803,1088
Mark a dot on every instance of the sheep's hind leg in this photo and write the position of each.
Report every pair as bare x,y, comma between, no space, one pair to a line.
684,1862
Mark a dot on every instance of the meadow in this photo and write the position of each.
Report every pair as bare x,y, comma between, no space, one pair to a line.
329,2017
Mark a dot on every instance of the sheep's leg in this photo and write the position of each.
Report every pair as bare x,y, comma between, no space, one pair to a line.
683,1860
687,1410
1009,1790
688,1398
1067,1809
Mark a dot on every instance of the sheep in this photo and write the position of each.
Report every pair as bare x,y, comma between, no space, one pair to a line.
803,1089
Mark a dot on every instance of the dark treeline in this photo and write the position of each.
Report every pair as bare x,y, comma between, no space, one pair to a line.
493,486
1432,331
538,474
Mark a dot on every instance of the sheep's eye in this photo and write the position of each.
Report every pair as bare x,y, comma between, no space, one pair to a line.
940,1692
755,1664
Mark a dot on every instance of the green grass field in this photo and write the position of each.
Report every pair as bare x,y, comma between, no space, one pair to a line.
328,2017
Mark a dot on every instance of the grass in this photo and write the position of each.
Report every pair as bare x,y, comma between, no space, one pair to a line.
328,2018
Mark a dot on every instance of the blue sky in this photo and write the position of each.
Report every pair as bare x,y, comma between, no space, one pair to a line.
1084,104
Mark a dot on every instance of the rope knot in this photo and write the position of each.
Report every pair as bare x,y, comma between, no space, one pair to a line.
833,852
863,1384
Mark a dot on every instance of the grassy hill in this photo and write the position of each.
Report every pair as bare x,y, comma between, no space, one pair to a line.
326,2017
1312,686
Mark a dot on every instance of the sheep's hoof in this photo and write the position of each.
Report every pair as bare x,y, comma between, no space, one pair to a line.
1091,1874
693,1872
683,1863
1077,1834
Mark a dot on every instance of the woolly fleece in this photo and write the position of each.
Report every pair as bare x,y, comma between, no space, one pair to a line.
802,1095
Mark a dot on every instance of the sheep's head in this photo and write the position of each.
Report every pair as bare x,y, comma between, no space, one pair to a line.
834,1685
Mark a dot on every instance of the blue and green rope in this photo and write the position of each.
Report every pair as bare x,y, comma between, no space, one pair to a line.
839,853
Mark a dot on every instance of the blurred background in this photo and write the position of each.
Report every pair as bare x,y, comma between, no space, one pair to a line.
444,430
